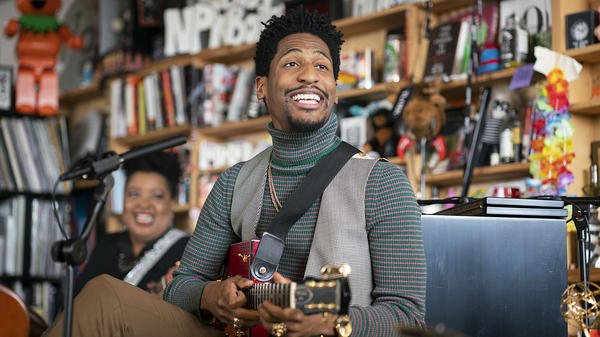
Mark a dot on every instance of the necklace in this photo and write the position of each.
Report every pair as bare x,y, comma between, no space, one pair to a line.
274,198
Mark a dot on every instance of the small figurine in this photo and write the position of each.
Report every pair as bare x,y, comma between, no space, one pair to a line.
424,117
40,38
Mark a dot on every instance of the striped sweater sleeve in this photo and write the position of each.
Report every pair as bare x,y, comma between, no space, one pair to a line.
207,249
397,256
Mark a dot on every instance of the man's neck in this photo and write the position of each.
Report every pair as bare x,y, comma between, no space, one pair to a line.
291,149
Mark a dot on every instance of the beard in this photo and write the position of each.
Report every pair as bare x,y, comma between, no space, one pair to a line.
305,125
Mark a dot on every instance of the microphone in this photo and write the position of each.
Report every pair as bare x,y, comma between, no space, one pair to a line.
105,165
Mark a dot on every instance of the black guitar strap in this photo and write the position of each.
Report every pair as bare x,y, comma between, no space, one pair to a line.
271,245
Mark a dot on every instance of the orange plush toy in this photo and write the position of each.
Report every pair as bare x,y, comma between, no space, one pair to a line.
40,38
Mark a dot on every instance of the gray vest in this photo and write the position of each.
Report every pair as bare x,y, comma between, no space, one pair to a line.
340,233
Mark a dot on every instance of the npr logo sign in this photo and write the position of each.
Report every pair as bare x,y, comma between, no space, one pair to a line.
234,22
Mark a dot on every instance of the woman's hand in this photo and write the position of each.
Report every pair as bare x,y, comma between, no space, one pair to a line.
225,301
296,322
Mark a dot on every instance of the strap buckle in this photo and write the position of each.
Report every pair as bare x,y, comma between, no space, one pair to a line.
267,257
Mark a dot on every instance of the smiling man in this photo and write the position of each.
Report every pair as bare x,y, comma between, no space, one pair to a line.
299,91
367,216
368,211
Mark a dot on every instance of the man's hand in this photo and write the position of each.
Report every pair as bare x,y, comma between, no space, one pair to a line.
225,301
298,324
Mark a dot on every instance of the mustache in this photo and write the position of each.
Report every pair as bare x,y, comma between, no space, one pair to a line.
287,91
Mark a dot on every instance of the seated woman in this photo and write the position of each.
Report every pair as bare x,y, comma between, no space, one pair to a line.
149,246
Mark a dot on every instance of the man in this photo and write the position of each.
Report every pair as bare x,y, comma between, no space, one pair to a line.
297,63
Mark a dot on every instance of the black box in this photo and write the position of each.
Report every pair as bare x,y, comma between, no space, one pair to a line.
580,29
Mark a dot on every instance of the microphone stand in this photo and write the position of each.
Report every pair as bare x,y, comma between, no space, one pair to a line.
472,62
73,251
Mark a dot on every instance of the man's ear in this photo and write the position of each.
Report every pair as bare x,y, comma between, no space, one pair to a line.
261,87
335,101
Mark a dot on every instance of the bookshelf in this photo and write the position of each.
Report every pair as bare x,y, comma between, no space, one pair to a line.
153,136
574,275
27,232
368,30
589,54
377,92
381,20
75,96
590,108
480,174
232,129
179,209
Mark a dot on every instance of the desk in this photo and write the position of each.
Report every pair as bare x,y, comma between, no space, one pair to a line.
493,276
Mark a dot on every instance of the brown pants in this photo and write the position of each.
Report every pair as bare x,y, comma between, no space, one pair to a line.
110,307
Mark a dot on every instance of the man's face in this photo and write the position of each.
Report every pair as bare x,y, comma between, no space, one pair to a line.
300,89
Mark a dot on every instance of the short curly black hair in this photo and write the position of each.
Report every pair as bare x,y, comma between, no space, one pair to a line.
299,20
164,163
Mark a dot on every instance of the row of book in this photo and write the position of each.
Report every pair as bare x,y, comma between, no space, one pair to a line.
33,153
218,155
14,219
505,38
41,297
182,95
211,157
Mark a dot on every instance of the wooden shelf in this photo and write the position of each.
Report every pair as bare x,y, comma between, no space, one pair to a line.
480,174
589,54
154,136
397,161
227,54
573,275
586,108
84,184
213,170
230,129
442,6
80,94
378,91
480,79
385,19
181,209
179,60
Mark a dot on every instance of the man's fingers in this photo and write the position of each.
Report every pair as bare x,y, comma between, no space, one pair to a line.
246,314
241,282
278,278
265,313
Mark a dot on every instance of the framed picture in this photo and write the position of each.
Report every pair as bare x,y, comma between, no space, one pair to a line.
6,79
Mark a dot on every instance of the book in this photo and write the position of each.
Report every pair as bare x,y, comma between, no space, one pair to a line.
56,149
149,103
36,159
117,111
462,49
442,50
157,101
241,92
178,87
46,151
142,117
26,156
12,154
168,98
5,165
131,111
